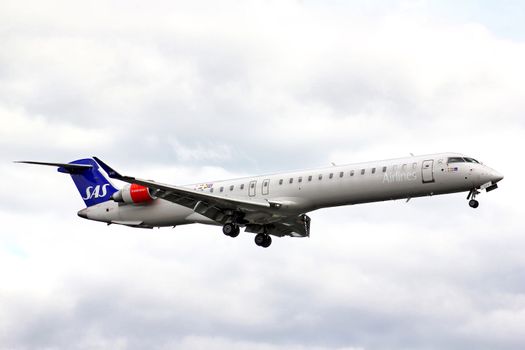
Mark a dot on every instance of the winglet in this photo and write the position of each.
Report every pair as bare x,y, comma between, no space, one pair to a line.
110,171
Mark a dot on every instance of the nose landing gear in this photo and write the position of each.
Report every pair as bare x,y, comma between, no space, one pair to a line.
473,203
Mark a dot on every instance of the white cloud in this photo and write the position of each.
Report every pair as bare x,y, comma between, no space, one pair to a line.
195,342
18,128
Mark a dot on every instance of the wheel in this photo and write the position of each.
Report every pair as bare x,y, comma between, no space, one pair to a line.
473,203
235,232
263,240
267,241
228,229
260,238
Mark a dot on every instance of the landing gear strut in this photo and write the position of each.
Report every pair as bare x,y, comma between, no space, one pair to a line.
263,240
231,230
473,203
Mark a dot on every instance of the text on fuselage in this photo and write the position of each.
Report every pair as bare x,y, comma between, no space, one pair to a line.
399,176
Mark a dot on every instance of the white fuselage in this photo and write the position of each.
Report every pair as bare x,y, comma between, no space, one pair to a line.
306,190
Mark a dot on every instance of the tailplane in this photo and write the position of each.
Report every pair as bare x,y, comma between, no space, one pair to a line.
93,186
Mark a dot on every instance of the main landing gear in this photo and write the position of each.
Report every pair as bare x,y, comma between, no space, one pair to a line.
263,240
473,203
231,230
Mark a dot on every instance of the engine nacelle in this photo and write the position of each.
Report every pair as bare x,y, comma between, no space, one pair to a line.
133,194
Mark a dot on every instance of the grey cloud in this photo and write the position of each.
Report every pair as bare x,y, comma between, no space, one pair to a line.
295,295
177,86
261,88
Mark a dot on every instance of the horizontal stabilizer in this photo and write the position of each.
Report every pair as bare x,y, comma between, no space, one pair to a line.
63,167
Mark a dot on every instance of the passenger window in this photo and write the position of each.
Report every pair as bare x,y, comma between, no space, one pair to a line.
331,175
414,165
231,188
320,176
384,169
373,170
341,174
291,180
362,171
242,187
280,181
310,178
351,173
211,190
300,179
221,189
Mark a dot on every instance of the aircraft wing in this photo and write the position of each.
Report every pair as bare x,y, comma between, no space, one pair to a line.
199,201
255,212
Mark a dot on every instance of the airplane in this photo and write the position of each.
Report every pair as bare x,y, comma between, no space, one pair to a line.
274,204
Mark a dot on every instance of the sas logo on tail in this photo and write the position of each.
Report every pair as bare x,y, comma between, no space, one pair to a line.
96,191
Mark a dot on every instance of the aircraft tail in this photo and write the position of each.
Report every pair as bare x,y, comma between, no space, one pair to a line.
92,185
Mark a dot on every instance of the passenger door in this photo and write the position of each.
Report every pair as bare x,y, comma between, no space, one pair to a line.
265,187
252,188
427,171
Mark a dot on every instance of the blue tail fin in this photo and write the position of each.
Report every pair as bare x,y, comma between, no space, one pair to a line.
94,187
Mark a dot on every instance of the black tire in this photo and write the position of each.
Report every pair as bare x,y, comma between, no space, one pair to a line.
235,232
473,203
267,241
260,238
228,229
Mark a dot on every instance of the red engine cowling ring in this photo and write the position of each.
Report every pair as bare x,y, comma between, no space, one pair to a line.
139,194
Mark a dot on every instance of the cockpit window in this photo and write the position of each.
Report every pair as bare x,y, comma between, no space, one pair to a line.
471,160
455,160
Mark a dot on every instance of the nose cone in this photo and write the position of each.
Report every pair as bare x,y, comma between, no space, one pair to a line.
496,177
82,213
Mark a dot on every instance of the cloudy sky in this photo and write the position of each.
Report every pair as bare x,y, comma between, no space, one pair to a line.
189,91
